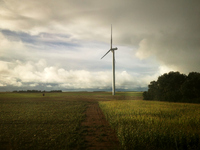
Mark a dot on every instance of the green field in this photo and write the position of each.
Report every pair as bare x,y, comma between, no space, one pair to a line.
30,121
33,121
154,125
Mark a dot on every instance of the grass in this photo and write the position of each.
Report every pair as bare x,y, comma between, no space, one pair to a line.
154,125
31,121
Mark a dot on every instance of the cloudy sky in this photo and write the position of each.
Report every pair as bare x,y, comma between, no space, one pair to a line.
48,44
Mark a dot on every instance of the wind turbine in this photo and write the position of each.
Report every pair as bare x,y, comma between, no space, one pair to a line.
113,63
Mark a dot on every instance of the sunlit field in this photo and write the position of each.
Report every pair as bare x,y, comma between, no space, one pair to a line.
154,125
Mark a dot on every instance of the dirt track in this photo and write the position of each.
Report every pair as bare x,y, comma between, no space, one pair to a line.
98,133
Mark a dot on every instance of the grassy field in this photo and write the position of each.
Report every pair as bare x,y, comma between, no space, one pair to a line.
31,121
53,121
154,125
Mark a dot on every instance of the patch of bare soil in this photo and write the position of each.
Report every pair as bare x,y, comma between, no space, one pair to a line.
98,133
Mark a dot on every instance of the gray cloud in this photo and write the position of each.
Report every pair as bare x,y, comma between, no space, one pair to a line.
51,40
152,36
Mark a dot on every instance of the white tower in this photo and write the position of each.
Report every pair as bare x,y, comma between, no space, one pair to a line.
113,64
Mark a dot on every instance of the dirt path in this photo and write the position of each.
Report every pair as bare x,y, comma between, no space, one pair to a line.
98,133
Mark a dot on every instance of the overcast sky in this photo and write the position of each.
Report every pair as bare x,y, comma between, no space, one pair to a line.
48,44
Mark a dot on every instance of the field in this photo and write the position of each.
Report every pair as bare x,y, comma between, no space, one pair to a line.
74,121
53,121
30,121
154,125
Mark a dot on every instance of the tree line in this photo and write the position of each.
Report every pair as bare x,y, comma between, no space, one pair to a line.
175,87
35,91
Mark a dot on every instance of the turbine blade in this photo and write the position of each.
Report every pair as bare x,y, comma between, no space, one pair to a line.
111,38
105,54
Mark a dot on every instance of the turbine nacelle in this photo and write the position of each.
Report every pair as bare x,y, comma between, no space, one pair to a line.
113,49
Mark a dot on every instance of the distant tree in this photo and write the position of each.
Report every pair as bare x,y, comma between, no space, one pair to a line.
146,96
33,91
191,87
151,94
56,91
22,91
169,86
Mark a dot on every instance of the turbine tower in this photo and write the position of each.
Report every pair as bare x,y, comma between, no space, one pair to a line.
113,63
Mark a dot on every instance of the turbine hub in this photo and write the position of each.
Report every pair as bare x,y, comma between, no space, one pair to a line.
114,48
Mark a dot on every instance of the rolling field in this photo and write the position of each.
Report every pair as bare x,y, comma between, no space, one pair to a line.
154,125
60,121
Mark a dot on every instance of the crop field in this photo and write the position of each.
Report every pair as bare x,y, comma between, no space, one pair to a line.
53,121
154,125
60,121
30,121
